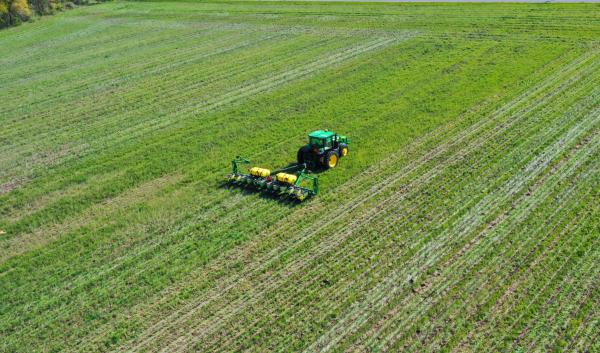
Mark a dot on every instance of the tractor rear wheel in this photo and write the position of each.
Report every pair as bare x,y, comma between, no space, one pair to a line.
331,160
302,154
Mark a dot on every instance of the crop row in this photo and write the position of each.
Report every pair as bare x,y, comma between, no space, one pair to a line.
341,207
132,230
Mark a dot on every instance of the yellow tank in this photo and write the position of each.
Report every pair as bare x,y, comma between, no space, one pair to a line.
260,172
286,178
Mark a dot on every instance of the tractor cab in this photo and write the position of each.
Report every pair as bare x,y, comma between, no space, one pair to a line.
321,139
324,149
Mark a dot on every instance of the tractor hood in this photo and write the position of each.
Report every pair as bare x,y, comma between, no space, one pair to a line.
321,134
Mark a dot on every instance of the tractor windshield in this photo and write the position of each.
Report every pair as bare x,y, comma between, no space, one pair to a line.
316,142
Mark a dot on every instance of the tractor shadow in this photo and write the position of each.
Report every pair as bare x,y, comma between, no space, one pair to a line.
249,191
309,170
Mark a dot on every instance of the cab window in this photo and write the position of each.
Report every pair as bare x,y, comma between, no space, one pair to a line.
317,142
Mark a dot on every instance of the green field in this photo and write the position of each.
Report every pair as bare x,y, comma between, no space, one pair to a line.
466,217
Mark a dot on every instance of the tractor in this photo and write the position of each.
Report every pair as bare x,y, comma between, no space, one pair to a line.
324,149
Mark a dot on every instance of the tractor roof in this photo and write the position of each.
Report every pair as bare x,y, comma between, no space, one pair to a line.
321,134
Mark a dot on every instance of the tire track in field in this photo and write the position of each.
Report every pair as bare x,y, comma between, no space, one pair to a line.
435,252
574,64
321,246
594,342
590,335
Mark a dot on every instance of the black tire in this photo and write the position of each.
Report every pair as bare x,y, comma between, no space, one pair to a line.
341,148
331,160
302,154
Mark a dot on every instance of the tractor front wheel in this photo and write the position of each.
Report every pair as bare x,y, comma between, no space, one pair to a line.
343,150
331,160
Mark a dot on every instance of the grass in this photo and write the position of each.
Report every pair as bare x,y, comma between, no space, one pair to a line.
465,219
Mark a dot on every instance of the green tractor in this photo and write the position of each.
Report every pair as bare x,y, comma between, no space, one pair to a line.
324,149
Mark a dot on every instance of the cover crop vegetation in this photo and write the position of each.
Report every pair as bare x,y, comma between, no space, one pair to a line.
466,217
